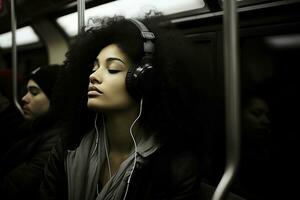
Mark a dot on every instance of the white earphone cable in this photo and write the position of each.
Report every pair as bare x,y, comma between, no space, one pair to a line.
97,134
106,151
135,147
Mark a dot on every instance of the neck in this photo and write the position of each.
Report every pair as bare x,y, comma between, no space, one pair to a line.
118,130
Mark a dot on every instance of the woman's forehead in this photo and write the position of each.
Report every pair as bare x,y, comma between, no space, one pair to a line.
113,52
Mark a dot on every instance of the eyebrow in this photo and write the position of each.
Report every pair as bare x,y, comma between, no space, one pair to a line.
33,87
114,58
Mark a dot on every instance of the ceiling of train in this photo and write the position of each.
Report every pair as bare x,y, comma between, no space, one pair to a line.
28,9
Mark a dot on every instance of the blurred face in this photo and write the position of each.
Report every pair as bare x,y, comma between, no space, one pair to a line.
35,102
256,118
107,89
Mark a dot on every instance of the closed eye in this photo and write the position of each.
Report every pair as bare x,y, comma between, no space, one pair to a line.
113,71
34,90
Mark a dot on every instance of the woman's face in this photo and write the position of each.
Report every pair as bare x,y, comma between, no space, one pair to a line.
107,89
35,101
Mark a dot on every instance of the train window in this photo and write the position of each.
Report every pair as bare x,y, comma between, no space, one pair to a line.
25,35
129,8
270,104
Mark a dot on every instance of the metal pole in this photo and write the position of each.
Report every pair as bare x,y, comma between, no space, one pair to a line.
14,56
80,9
232,97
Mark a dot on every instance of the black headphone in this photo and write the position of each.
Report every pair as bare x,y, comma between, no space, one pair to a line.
137,78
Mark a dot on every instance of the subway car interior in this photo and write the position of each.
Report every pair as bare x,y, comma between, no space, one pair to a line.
268,35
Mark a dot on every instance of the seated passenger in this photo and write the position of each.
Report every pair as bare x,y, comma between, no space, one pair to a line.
131,99
254,180
23,162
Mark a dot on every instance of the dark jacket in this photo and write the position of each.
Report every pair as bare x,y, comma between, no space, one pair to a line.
167,175
13,127
22,166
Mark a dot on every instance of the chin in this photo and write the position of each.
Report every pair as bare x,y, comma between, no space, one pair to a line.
93,105
28,117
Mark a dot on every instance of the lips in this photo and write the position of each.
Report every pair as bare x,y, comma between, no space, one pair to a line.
26,110
94,91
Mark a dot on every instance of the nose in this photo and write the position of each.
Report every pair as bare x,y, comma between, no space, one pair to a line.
96,77
25,98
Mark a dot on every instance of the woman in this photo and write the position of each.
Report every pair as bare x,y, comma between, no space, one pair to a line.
130,120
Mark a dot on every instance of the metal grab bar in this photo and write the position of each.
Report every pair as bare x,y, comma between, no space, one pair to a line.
14,56
80,9
232,117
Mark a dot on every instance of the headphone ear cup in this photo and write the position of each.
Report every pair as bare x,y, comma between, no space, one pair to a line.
146,81
131,82
139,79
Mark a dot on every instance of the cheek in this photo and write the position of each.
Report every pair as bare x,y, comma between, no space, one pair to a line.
115,96
117,87
40,104
120,94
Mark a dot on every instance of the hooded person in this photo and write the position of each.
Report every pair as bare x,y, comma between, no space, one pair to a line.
40,85
22,164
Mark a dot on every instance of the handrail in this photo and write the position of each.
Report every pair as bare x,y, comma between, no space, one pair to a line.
232,117
14,56
80,9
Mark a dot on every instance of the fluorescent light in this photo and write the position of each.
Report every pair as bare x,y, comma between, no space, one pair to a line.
282,41
128,8
25,35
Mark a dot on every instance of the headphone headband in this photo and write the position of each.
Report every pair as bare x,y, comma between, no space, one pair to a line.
146,35
138,78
